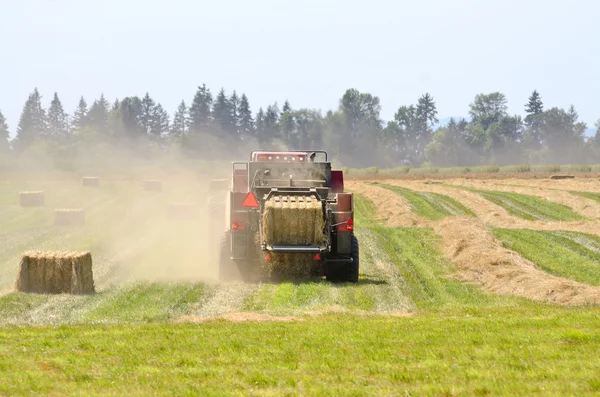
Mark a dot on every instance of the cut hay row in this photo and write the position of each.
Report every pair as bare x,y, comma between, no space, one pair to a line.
90,181
56,272
481,259
391,208
69,217
292,220
31,199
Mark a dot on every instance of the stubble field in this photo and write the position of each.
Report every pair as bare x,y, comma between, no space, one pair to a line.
467,287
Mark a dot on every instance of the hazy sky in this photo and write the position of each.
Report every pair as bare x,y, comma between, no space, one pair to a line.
306,51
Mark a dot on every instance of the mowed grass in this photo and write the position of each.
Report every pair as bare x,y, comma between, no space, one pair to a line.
588,195
527,207
429,205
567,254
539,350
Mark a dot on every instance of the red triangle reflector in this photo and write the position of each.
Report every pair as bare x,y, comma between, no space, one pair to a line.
317,257
250,201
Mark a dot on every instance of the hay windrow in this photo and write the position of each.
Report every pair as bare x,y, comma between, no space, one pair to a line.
31,198
292,220
56,272
392,208
481,258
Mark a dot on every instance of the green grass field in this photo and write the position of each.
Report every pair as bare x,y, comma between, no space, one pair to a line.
429,205
527,207
567,254
407,328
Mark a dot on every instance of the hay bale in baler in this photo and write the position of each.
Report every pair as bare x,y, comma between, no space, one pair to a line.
31,198
183,211
152,185
69,217
56,273
292,220
90,181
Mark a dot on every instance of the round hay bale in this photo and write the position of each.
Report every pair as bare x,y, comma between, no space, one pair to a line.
56,273
182,211
69,217
31,199
152,185
90,181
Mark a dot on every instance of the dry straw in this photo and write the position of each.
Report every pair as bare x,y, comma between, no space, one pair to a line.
69,217
56,273
90,181
31,199
481,258
152,185
292,220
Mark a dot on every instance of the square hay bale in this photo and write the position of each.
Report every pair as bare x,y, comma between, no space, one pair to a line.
56,273
31,199
152,185
90,181
182,211
292,220
69,217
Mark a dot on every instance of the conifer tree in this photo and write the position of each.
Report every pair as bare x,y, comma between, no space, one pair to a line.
146,118
80,115
160,123
246,122
4,133
200,110
180,121
32,123
57,120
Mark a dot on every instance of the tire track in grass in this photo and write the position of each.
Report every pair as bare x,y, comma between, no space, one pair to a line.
379,289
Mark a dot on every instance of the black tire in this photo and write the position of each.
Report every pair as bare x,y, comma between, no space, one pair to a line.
228,270
352,274
347,272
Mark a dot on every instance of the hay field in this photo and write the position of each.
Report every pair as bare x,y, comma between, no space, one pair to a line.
442,267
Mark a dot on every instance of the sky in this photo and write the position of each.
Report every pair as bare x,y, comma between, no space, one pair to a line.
308,52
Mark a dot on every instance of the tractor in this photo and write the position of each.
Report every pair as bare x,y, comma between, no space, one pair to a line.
288,205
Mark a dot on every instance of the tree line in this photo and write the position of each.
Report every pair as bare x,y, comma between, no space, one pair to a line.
212,126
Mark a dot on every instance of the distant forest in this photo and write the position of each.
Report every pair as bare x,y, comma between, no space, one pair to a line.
224,126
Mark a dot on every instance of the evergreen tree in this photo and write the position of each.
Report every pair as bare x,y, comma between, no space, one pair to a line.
115,104
288,124
146,118
131,114
199,111
160,123
97,117
260,126
246,122
363,126
234,104
180,121
4,133
80,115
223,115
32,123
271,124
57,120
533,120
425,116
